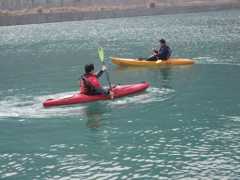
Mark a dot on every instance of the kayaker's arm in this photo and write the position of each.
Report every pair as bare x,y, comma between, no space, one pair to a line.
102,91
156,52
100,73
105,92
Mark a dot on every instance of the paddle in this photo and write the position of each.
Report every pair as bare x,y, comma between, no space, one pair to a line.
101,57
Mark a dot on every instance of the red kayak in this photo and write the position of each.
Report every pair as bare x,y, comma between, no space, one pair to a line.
119,91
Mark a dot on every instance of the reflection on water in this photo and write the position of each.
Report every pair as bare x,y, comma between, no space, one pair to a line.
165,72
94,114
166,77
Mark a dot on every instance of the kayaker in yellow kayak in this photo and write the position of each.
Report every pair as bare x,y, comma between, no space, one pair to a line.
164,53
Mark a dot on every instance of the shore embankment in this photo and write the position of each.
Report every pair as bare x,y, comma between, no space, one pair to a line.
19,14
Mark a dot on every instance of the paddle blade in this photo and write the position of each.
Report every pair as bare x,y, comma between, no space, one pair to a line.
101,54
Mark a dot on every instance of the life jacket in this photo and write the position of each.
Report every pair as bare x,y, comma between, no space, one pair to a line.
89,83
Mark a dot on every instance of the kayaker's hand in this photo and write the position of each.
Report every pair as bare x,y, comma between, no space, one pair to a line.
155,51
104,68
111,93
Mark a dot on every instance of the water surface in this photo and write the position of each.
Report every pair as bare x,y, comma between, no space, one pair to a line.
187,125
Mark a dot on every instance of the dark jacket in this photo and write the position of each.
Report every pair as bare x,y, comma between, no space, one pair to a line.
164,53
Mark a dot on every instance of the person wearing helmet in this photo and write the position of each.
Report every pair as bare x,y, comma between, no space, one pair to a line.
164,53
90,84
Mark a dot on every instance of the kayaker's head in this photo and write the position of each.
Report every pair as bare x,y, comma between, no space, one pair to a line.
162,42
89,68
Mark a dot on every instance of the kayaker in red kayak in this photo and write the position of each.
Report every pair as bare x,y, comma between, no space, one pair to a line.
90,85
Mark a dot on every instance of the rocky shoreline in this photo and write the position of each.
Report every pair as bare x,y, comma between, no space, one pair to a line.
57,15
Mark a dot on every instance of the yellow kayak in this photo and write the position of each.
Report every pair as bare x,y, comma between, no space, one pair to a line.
136,62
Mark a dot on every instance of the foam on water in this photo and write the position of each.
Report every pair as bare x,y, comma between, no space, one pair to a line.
214,60
152,95
23,106
31,107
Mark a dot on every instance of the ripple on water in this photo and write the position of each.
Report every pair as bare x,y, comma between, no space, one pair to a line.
179,153
148,153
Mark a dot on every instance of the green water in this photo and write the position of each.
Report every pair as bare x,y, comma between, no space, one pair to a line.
187,125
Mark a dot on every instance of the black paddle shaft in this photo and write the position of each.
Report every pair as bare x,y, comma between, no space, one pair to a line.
108,78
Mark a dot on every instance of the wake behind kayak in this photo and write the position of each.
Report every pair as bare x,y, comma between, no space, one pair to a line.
78,98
